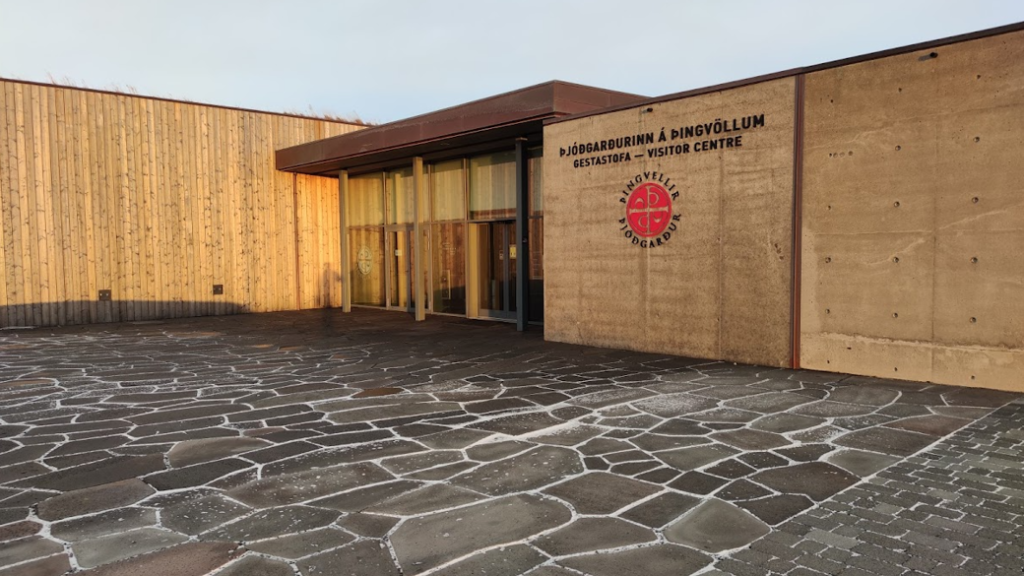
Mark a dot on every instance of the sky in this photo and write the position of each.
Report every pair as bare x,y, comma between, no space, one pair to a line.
384,60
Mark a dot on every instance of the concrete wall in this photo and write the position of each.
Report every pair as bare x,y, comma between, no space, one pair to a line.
156,201
719,286
913,216
910,212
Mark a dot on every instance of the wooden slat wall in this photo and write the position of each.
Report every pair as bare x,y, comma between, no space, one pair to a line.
319,243
156,201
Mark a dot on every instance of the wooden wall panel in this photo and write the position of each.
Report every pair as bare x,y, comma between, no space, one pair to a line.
156,201
319,243
913,224
5,183
720,286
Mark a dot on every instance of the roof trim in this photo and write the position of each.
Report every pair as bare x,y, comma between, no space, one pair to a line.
502,116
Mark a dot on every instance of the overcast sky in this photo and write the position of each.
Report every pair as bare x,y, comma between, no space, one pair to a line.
384,60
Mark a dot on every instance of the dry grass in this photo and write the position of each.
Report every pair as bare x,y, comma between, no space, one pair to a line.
314,113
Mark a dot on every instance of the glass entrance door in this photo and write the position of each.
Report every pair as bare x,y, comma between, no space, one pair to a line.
498,270
400,269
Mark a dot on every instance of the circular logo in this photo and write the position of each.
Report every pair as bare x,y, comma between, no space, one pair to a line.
364,260
649,210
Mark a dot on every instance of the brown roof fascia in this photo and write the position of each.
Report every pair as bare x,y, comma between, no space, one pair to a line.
526,106
179,101
402,155
930,44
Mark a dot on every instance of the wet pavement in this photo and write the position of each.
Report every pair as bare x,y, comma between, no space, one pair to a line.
319,443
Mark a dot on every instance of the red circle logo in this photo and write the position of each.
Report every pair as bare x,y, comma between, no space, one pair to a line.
649,210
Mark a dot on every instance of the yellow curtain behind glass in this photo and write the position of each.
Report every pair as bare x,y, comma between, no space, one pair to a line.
366,200
448,199
401,203
492,186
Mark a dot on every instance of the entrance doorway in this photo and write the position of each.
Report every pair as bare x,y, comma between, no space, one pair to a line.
401,263
497,269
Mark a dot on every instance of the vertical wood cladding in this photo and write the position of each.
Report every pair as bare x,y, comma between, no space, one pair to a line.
719,287
156,201
913,225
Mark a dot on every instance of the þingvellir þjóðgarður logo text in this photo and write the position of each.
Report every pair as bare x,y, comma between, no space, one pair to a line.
649,218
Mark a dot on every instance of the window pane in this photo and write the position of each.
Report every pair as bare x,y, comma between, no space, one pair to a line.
401,202
448,199
366,253
492,186
535,181
448,252
365,200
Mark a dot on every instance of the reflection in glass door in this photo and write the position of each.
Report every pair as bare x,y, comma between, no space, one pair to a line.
366,254
498,270
400,269
448,268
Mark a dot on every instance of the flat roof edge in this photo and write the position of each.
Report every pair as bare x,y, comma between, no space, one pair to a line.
356,159
550,84
987,33
527,107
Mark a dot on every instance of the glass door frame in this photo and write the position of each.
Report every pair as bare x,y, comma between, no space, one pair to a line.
509,276
398,222
391,273
350,231
430,239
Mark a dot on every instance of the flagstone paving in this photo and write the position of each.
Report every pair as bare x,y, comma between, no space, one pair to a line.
326,443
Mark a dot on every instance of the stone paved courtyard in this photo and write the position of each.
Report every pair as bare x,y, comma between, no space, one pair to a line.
319,443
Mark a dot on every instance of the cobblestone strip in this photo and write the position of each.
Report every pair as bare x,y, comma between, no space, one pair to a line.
956,509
